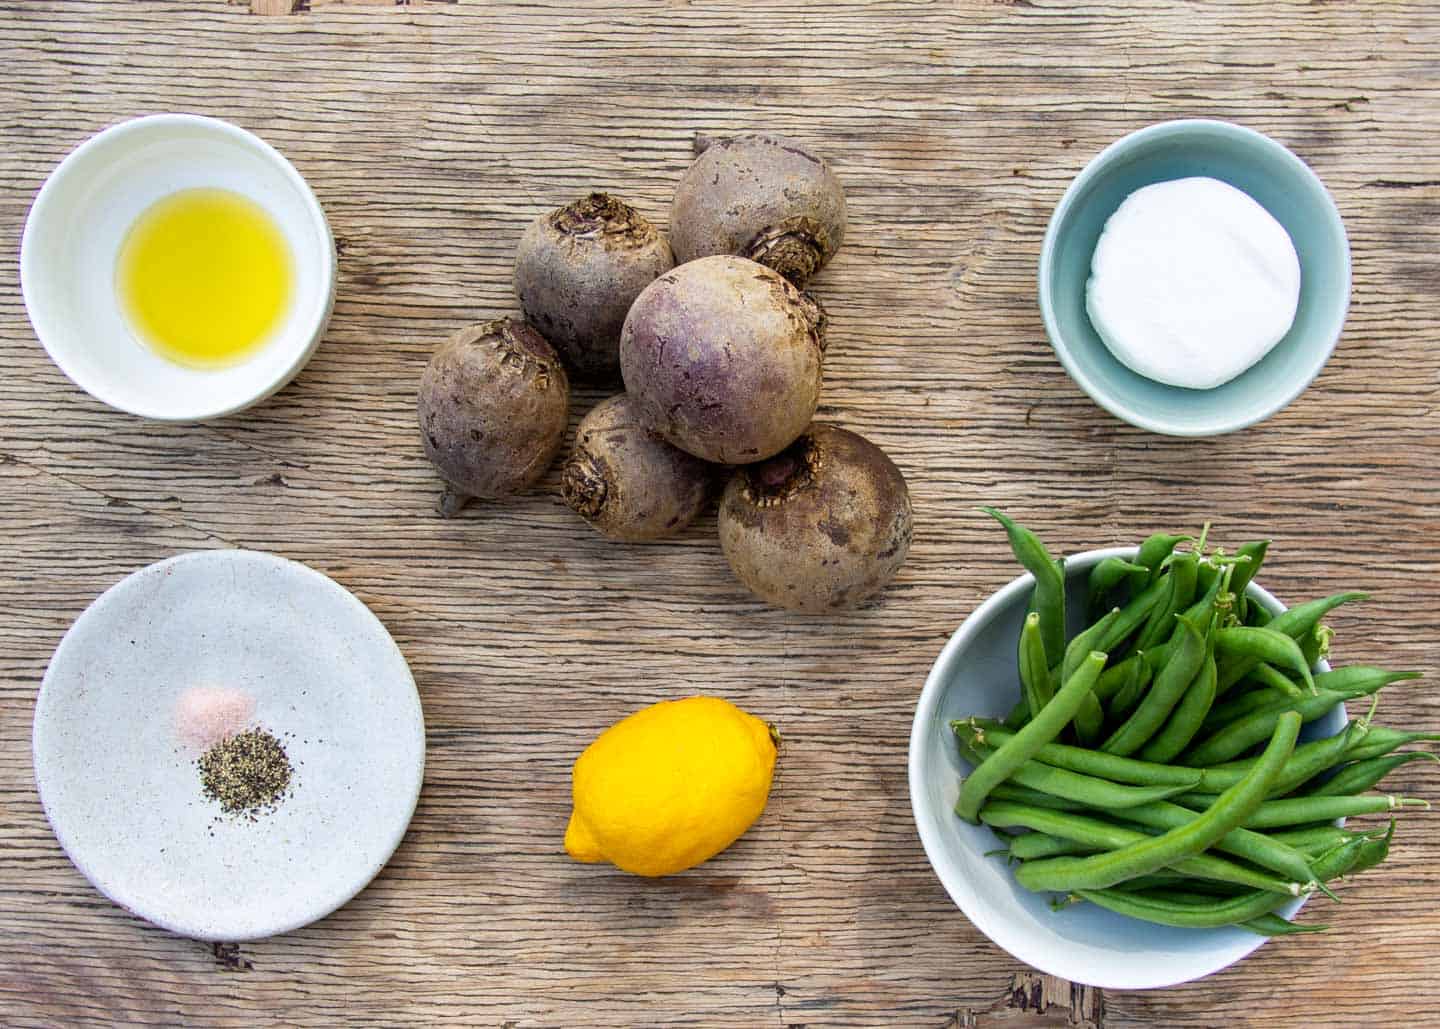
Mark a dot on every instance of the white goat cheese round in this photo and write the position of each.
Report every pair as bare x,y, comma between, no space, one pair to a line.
1192,282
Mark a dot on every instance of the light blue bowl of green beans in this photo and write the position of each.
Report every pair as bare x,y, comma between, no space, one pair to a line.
1276,178
976,674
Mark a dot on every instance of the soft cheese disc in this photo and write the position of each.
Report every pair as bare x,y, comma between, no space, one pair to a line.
1192,282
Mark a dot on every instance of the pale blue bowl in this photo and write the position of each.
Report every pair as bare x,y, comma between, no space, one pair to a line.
1284,186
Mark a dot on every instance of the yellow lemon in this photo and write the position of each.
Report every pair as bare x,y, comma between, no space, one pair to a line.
670,786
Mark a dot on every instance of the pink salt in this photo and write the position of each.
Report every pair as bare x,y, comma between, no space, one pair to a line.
205,715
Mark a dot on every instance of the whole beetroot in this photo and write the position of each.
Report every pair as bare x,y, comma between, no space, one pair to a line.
722,358
493,407
761,197
820,527
628,482
578,270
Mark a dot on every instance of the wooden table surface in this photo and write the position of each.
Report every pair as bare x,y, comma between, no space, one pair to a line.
432,133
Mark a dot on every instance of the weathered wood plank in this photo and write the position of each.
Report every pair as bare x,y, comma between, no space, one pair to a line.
432,133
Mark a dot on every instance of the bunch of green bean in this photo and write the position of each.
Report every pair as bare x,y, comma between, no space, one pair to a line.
1152,766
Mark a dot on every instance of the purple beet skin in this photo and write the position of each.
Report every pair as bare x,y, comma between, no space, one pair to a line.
761,197
722,358
493,406
823,526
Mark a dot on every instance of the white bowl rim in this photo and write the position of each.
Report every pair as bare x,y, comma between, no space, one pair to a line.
1091,170
312,330
1001,934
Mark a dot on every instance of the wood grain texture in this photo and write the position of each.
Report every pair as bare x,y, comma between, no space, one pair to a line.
432,134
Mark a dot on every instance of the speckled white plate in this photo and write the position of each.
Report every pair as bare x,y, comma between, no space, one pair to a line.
123,793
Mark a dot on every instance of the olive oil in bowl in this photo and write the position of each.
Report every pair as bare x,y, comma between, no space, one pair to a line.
205,277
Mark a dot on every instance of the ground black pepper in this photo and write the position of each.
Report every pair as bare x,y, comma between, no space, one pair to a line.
248,773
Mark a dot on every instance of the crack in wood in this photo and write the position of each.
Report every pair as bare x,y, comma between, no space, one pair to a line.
229,958
1035,1001
271,8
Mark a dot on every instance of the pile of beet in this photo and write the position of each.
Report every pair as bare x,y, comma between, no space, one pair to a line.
721,354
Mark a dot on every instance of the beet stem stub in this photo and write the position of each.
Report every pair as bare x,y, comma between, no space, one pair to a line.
600,214
582,484
777,472
795,248
782,476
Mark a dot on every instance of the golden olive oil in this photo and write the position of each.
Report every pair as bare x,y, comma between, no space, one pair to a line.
205,277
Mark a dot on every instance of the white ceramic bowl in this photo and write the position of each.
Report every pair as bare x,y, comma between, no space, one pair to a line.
74,233
976,675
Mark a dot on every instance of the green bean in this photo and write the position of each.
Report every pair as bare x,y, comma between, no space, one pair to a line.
1183,910
1382,740
1293,622
1273,814
1321,840
1035,685
1338,861
1019,714
1115,838
1108,574
1362,775
1182,594
1274,925
1184,721
1205,829
1308,761
1174,880
1013,793
1207,576
1373,850
1243,733
1086,641
1203,609
1129,696
1090,719
1255,614
1163,695
1313,758
1259,699
1270,677
1133,615
1300,619
1242,843
1111,572
1101,765
1243,642
1352,681
1023,710
1089,790
1116,676
1249,558
1230,741
1310,757
1151,556
1199,612
1315,644
1041,729
1201,911
1314,840
1049,598
1038,844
